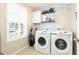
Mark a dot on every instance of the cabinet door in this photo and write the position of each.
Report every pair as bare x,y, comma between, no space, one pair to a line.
36,17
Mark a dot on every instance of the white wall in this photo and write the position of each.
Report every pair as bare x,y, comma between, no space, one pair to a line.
50,26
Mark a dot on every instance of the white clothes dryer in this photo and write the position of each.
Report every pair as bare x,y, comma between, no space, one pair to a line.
61,43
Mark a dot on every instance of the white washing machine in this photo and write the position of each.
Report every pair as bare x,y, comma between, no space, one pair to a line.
42,41
61,43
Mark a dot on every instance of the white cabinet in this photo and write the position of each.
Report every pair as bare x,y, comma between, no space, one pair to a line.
36,17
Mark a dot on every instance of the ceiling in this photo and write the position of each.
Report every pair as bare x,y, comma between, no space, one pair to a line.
47,6
43,6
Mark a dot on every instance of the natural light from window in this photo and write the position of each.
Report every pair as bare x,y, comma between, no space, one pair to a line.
16,22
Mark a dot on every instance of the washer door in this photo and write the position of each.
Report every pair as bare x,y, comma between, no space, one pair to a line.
42,42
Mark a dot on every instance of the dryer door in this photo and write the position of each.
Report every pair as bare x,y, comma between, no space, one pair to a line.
61,44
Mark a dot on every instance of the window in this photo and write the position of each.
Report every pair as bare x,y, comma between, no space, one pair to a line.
16,22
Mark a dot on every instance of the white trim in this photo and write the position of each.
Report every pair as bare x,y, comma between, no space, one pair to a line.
4,53
14,53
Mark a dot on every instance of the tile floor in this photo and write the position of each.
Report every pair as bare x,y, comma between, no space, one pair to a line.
32,51
29,51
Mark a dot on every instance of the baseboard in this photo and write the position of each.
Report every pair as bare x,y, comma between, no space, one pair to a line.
14,53
4,53
1,53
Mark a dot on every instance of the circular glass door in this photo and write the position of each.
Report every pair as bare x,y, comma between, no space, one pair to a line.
42,41
61,44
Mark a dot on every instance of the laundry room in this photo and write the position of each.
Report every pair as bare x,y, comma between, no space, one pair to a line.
38,29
